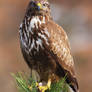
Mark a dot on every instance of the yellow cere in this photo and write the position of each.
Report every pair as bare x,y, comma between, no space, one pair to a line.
39,5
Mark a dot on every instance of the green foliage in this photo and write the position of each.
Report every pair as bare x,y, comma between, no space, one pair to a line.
29,85
60,86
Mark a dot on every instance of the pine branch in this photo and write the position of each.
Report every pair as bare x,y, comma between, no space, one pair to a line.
29,85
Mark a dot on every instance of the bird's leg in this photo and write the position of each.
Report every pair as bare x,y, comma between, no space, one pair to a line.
49,84
30,87
31,72
44,88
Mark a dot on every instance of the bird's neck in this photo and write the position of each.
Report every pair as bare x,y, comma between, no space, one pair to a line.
36,21
40,15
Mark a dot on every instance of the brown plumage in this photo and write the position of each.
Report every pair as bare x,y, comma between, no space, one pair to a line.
45,45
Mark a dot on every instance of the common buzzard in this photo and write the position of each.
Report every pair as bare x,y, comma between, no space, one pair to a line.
45,45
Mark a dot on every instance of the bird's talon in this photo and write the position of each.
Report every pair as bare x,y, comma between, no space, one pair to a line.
30,87
44,88
49,83
37,84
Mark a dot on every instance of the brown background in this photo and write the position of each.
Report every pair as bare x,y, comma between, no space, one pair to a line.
76,18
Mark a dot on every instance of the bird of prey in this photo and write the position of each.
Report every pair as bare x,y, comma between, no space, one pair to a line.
45,45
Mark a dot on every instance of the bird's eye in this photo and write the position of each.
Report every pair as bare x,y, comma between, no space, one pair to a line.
32,3
44,4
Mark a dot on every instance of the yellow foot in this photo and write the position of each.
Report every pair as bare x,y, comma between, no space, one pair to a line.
30,87
44,88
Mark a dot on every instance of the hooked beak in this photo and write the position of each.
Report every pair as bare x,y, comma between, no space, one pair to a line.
39,6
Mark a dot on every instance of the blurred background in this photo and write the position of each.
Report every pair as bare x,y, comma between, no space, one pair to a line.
75,16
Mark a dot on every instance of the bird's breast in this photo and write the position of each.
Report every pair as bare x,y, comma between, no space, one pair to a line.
34,37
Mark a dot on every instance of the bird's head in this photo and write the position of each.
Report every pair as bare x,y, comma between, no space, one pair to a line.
38,6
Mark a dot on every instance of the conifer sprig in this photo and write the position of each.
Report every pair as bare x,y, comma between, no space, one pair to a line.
29,85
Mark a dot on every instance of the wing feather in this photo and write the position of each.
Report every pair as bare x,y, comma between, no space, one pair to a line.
60,47
60,51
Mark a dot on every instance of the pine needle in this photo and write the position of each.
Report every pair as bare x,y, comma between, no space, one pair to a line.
29,85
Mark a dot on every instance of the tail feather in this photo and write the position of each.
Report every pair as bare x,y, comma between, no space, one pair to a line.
73,84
